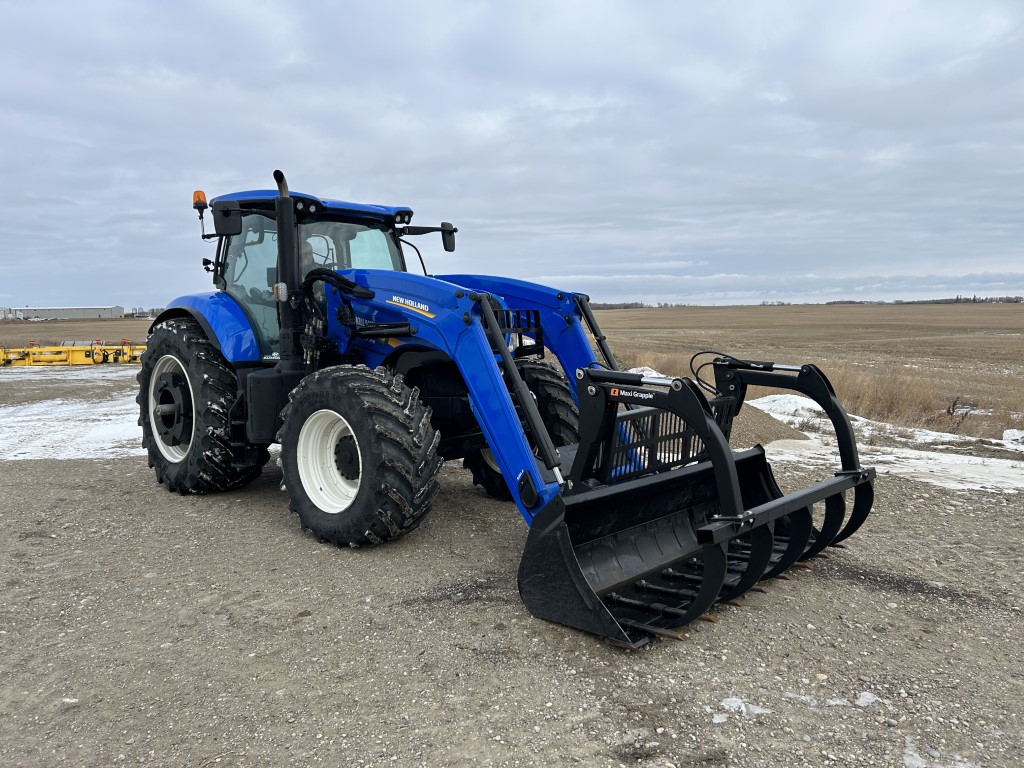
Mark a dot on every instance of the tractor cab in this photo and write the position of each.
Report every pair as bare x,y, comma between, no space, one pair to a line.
330,234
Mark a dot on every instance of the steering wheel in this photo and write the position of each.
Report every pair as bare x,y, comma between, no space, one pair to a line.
265,298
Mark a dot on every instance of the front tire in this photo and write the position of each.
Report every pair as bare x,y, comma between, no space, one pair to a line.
359,455
186,390
557,410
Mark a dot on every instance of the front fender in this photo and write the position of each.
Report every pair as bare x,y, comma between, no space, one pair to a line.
223,320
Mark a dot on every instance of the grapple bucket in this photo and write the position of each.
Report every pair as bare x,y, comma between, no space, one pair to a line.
660,519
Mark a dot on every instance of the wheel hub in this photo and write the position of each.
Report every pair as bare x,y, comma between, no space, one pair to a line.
346,458
172,408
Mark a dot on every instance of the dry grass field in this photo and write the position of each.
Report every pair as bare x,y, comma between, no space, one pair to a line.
948,367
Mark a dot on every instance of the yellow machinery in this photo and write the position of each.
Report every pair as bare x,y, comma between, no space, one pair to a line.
72,353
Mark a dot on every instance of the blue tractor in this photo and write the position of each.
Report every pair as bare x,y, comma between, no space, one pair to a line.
318,338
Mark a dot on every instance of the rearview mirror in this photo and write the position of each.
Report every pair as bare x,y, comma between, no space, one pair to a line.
227,218
446,229
448,236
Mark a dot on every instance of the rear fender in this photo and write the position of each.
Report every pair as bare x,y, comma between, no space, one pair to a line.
223,320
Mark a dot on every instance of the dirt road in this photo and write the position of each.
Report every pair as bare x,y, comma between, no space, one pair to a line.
142,627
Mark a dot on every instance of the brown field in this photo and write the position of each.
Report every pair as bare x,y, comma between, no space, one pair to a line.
18,333
949,367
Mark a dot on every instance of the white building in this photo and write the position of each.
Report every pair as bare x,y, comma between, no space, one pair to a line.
62,313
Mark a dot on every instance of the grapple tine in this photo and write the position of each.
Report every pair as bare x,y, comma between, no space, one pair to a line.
792,534
761,544
835,510
643,605
645,586
863,499
672,573
672,634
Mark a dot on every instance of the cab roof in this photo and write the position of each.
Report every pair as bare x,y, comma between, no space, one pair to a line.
326,205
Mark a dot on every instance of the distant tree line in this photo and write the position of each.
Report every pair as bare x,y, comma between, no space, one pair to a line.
634,305
955,300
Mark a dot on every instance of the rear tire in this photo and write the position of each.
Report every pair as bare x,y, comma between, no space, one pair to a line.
186,390
359,455
558,411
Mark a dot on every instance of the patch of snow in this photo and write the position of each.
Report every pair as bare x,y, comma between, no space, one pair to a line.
866,699
794,409
732,704
789,408
71,375
946,470
717,719
71,429
643,370
911,759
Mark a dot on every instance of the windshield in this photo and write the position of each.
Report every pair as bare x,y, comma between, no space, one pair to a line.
343,245
250,263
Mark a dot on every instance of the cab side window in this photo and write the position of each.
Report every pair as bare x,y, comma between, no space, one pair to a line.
250,267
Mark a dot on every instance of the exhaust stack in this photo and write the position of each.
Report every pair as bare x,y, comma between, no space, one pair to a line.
288,314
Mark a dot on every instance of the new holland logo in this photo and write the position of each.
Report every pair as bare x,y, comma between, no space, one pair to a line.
415,306
639,394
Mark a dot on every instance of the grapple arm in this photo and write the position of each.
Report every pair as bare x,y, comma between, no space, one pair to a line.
734,376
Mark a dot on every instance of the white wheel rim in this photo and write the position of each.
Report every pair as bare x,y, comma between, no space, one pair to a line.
489,460
325,486
173,453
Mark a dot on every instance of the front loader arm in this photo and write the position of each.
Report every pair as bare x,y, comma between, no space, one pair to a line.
561,317
460,323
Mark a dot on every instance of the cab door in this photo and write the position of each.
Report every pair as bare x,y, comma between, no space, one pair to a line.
248,271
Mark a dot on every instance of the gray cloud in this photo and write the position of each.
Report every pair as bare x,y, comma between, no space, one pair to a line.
737,152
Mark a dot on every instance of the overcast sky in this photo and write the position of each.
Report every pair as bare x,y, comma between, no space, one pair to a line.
664,151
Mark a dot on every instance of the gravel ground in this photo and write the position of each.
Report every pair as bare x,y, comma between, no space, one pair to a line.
137,626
